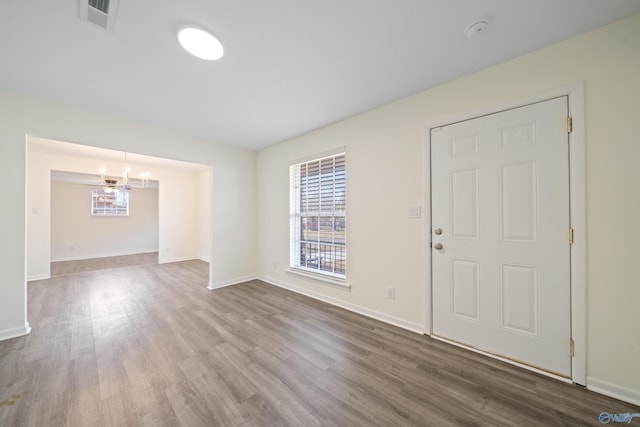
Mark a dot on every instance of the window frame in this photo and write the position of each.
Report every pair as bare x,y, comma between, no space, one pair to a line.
109,210
334,247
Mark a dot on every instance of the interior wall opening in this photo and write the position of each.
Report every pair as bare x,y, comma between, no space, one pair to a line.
177,228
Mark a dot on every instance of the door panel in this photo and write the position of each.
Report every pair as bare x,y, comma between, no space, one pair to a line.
464,204
519,286
518,194
464,288
500,194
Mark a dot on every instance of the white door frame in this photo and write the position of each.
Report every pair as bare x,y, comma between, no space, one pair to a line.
578,208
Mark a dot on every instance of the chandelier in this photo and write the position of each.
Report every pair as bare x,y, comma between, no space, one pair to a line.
111,184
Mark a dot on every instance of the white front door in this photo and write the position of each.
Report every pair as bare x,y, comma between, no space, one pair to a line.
500,225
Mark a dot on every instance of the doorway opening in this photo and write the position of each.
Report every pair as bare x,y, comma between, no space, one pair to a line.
180,231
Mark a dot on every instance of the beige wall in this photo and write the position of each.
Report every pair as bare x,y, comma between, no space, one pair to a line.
386,175
76,234
233,178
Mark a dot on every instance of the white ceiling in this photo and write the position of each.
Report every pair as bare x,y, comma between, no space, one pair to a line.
290,66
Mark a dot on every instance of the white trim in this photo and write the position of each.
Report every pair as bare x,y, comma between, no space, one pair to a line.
26,329
575,94
391,320
321,155
428,315
578,203
201,258
38,277
533,99
7,334
613,390
326,279
107,255
504,359
230,282
180,259
211,285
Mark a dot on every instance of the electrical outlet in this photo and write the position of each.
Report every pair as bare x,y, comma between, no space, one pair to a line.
391,293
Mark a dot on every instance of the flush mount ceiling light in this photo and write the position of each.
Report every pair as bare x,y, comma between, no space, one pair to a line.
476,28
200,43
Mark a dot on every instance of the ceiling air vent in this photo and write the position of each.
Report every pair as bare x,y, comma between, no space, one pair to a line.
100,12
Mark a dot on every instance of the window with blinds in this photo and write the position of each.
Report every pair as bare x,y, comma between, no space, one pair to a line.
318,216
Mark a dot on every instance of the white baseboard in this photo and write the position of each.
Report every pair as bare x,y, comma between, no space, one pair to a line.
401,323
38,277
230,282
7,334
203,259
105,255
180,259
614,390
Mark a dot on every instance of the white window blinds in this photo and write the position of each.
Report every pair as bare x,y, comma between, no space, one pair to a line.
318,215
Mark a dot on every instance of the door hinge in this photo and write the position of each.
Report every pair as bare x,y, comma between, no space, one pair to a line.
572,347
569,124
571,236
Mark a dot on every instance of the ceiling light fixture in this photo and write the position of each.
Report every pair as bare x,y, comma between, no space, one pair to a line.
111,183
200,43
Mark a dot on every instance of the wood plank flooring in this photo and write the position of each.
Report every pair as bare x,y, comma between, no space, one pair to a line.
150,345
61,268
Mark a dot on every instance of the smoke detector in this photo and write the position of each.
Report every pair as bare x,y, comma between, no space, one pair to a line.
99,12
476,28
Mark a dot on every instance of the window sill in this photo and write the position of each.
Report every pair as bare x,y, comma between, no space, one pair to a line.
341,283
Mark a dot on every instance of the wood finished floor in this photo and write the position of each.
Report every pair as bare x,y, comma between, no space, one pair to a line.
150,345
61,268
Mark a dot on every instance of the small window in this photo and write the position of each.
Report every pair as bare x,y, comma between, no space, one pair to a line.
114,203
318,216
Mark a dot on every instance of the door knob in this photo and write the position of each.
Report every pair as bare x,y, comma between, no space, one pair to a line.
438,231
438,246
